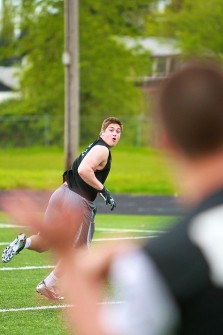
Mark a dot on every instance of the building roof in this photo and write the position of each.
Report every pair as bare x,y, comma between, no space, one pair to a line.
158,47
9,77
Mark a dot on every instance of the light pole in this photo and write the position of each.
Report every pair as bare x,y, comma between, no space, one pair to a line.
71,62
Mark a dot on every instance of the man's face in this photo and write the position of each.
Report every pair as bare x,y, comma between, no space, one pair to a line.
111,134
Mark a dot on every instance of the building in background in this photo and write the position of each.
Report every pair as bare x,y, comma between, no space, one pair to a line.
9,83
165,58
164,54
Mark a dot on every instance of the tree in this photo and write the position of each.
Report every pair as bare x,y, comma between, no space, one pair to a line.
41,45
196,25
7,34
108,70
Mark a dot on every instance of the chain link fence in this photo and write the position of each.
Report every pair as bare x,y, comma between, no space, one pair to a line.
47,130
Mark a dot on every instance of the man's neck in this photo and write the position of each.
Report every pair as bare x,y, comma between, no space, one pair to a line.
201,177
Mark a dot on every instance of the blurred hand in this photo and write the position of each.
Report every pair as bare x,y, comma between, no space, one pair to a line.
27,211
85,284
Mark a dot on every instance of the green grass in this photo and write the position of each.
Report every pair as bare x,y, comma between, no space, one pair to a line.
17,287
134,170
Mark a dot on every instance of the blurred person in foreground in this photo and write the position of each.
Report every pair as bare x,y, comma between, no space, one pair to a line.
71,207
173,284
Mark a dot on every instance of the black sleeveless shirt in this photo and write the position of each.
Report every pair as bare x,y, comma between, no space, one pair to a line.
77,184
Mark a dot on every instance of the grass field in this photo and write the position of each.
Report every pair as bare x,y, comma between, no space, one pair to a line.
134,170
22,312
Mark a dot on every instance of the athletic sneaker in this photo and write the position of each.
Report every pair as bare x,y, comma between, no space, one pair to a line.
14,248
48,292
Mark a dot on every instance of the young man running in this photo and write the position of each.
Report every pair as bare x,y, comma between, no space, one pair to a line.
73,202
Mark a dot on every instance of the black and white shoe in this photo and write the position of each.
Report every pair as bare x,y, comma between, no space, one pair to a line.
14,248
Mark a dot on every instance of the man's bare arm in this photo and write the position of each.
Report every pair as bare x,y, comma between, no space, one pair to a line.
95,159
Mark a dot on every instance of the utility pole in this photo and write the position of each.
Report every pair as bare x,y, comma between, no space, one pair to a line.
71,63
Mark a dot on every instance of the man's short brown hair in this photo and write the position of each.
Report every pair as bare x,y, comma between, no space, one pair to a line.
109,121
191,108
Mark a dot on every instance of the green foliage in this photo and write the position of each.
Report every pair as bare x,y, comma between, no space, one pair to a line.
42,44
196,25
7,35
108,70
24,129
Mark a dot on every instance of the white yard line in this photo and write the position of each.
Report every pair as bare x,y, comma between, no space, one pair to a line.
8,225
124,230
119,230
102,229
4,243
108,239
22,309
37,308
123,238
27,267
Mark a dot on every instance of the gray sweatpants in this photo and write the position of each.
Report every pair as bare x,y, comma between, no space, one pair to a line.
64,200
